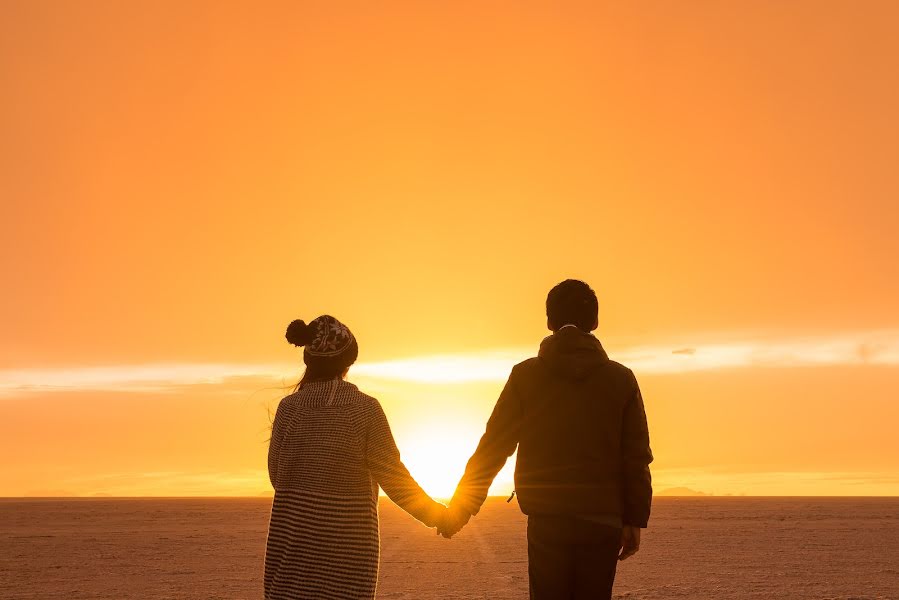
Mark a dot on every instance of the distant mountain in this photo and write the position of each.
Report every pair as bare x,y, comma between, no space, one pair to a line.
49,494
680,491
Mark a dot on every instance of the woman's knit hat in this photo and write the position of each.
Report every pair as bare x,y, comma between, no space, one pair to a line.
326,341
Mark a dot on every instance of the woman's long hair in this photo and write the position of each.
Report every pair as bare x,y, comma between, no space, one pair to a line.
319,372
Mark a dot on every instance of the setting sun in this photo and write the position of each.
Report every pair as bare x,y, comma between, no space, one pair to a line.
437,458
437,461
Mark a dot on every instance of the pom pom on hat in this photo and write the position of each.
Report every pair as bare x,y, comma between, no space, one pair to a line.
299,333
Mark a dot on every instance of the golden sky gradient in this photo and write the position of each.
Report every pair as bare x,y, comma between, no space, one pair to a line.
178,181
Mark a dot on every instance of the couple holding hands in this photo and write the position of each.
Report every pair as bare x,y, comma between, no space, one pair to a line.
582,473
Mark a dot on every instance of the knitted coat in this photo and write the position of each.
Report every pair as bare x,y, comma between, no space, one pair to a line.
331,447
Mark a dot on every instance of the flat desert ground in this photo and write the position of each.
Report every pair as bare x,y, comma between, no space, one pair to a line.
205,548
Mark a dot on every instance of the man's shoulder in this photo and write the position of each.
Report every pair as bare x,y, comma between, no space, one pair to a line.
528,363
609,371
620,369
525,366
622,375
615,367
524,371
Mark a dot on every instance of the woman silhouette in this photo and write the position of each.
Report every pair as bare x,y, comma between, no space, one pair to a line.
331,448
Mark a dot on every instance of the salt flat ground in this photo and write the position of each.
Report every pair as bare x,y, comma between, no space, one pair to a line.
716,548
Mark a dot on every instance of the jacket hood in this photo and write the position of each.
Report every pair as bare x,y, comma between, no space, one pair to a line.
572,353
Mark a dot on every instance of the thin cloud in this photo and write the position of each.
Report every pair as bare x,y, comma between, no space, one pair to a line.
151,378
881,348
877,348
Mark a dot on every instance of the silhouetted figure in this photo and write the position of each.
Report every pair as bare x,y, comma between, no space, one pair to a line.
582,474
331,448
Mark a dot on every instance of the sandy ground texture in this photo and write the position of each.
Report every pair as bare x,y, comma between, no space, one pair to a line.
716,548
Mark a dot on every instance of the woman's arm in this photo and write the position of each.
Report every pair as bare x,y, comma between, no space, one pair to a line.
385,466
274,446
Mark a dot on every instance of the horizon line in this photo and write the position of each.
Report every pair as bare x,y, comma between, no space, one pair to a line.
383,497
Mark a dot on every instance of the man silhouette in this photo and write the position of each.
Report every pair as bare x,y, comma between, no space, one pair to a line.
582,474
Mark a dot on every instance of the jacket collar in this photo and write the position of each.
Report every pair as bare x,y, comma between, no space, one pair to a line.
572,352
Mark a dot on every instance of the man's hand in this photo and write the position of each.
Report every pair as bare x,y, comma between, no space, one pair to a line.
630,542
453,521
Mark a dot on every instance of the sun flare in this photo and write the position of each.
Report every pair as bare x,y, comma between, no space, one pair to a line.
437,460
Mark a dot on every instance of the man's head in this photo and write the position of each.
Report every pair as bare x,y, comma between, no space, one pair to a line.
572,302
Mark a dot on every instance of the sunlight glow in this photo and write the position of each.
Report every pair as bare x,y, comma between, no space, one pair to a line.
437,460
437,456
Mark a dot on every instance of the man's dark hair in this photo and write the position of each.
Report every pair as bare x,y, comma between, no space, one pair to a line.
572,302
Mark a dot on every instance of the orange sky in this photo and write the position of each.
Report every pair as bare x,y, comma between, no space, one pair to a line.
178,182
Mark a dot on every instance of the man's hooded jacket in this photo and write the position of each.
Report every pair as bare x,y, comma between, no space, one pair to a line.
578,422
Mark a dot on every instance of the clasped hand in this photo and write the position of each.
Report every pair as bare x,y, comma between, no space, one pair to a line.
451,521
